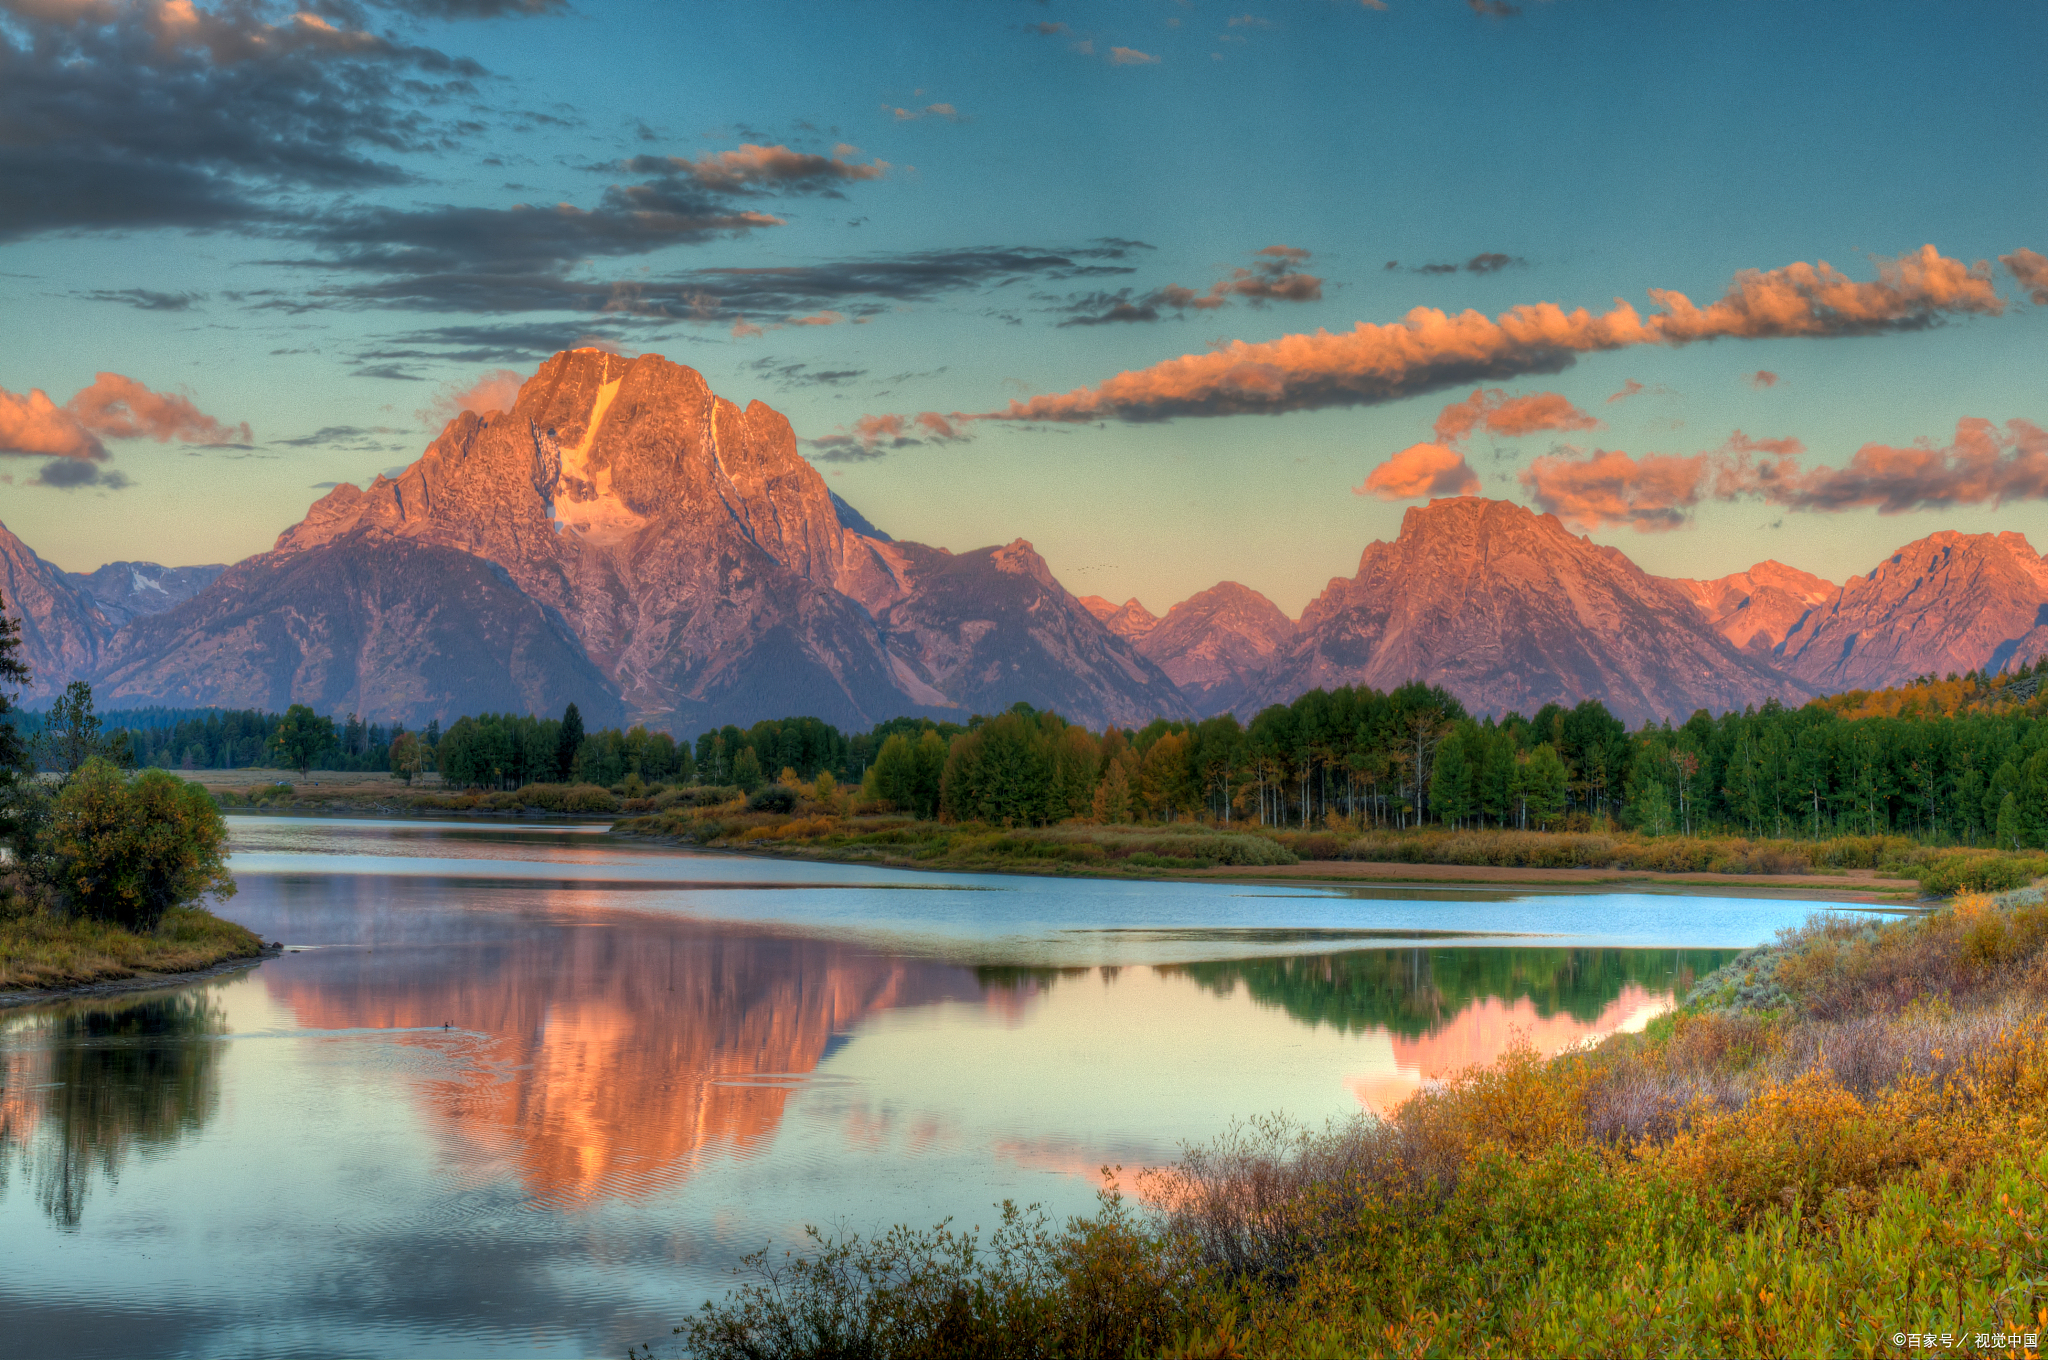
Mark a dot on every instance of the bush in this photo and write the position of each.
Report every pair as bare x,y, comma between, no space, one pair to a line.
566,798
128,851
772,798
1952,874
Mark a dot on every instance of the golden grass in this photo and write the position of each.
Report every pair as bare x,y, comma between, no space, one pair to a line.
39,951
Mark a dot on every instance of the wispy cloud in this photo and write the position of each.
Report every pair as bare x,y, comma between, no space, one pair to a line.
1420,470
1273,277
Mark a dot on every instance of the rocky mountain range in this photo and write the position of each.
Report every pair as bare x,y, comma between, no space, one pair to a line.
624,538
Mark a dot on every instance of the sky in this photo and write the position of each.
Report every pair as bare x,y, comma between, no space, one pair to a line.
1179,292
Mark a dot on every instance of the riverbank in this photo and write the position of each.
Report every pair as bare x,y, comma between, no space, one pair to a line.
44,958
1838,1145
1892,871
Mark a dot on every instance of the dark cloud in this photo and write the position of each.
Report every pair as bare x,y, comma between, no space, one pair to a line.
340,436
1272,277
474,9
68,474
787,376
143,299
494,343
1494,9
126,116
1491,262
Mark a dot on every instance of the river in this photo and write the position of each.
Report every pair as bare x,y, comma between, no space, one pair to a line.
519,1089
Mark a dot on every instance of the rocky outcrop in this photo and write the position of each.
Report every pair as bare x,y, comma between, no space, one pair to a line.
1508,611
131,590
1129,620
62,626
366,623
1758,608
1946,603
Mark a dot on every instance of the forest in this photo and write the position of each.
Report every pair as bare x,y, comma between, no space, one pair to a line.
1955,760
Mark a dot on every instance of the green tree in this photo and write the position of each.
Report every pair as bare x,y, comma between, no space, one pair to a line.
1450,783
1544,785
302,737
408,757
16,766
73,734
2010,834
567,744
127,851
746,770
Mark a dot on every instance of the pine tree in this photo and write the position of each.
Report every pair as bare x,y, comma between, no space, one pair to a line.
568,743
2009,833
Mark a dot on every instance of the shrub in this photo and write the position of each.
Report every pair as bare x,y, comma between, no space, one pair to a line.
772,798
127,851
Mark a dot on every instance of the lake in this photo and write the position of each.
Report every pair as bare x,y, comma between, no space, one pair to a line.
518,1089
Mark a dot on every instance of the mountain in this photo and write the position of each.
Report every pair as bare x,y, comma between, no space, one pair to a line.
992,627
1217,644
62,626
129,590
699,561
1508,611
1127,620
1758,608
1946,603
366,623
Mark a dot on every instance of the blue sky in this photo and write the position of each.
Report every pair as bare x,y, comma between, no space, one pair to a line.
1603,149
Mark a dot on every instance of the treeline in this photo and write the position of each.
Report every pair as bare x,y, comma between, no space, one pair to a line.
1948,761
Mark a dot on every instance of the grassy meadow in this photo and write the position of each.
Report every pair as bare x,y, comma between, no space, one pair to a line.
40,951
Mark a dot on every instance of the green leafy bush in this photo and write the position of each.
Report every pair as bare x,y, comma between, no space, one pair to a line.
128,851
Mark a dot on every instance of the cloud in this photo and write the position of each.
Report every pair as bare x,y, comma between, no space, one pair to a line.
121,408
37,427
945,111
1420,470
1490,262
1655,492
127,115
1510,417
2030,268
818,319
1982,465
1494,9
743,329
1131,56
1047,30
1763,377
1248,21
67,474
142,299
874,436
1273,277
1628,389
448,280
756,169
1429,350
496,390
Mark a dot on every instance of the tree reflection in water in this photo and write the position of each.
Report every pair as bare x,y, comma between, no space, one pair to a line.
86,1085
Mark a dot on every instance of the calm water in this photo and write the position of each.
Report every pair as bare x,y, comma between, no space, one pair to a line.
523,1091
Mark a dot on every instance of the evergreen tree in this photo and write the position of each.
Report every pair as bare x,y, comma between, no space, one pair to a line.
302,737
2009,833
73,735
1450,783
746,770
566,745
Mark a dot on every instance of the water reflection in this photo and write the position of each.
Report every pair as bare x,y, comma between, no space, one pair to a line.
85,1086
599,1059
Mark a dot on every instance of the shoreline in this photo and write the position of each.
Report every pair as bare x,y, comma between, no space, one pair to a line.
139,982
1862,887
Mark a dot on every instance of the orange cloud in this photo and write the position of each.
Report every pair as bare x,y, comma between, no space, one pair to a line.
1420,470
753,166
1763,377
122,408
38,427
1509,417
494,391
1131,56
2030,267
1982,465
1429,349
743,329
1628,389
873,436
1653,492
818,319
